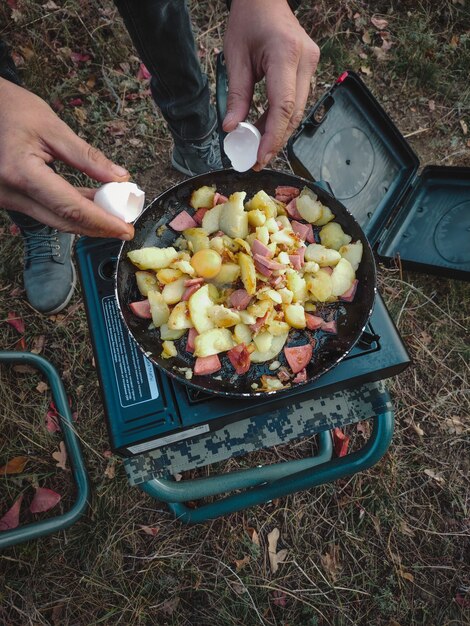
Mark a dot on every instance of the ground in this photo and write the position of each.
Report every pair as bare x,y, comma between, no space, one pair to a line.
388,547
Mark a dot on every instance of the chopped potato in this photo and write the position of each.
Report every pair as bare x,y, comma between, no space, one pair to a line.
342,278
319,285
223,317
168,333
180,317
295,315
333,236
168,275
264,203
256,218
146,281
321,255
296,284
248,272
184,267
309,209
158,308
263,341
276,346
210,221
326,216
152,258
173,292
197,238
242,334
169,350
200,304
353,253
202,198
233,217
229,273
213,341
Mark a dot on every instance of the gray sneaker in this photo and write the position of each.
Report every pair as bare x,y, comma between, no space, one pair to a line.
197,157
49,275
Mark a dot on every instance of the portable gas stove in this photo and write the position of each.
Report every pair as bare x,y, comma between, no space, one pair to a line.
349,142
146,409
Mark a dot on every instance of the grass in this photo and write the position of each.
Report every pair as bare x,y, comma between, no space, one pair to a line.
386,547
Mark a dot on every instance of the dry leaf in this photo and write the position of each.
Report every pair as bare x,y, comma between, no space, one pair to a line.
15,465
60,456
464,127
454,41
406,530
238,587
42,387
240,563
38,344
366,38
44,500
80,115
431,105
366,70
437,477
380,24
275,558
454,425
330,561
426,338
418,430
169,606
379,53
110,471
406,575
150,530
11,519
253,535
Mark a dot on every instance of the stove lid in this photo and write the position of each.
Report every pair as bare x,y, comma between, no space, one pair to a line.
431,231
349,141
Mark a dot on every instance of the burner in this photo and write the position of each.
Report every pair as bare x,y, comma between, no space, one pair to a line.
146,409
452,235
348,169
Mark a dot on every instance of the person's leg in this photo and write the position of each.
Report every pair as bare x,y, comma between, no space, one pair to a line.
49,275
162,34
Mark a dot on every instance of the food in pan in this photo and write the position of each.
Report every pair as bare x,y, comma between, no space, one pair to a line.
245,275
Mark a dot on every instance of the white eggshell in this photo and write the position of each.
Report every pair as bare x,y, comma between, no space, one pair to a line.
241,146
124,200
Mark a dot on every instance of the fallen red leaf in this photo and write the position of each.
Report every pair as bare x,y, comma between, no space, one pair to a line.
14,320
150,530
340,442
44,500
76,102
279,598
78,57
20,345
14,230
143,73
14,466
11,519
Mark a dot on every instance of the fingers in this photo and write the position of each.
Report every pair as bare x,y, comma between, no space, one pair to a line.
240,93
71,149
281,86
67,209
287,96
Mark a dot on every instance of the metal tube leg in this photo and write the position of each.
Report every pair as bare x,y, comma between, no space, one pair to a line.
60,522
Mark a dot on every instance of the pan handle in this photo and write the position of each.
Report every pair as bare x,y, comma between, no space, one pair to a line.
221,91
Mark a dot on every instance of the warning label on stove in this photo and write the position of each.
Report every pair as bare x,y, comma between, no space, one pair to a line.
135,375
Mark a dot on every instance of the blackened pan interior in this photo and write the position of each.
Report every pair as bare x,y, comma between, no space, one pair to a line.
329,349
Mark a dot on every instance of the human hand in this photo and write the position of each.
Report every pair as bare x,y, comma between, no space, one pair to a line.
264,38
32,136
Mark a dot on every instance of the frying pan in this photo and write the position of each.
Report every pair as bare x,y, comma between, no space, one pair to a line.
328,350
